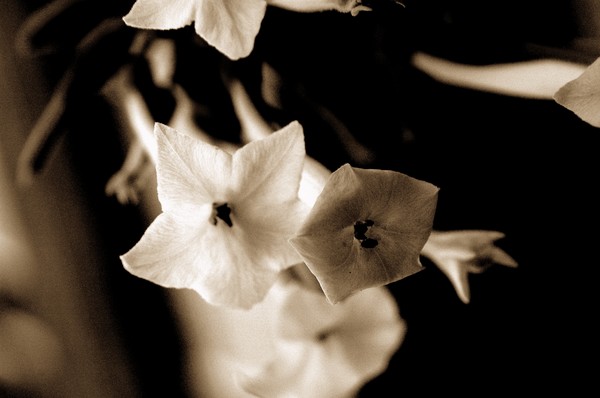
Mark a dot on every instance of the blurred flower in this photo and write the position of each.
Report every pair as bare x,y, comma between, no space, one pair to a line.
582,95
225,219
229,25
351,6
328,351
534,79
367,228
458,253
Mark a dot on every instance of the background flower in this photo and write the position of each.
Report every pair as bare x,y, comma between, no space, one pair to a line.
326,351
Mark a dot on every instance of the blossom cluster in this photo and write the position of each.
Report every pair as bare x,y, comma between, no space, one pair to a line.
238,225
263,221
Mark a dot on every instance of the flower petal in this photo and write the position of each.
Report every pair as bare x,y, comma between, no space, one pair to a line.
458,275
402,209
582,95
230,25
499,256
277,166
161,14
458,253
329,351
267,192
189,170
190,252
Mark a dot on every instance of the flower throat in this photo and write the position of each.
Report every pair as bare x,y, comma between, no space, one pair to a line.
221,211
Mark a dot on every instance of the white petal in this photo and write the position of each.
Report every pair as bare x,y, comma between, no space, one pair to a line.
265,180
230,25
459,277
189,171
537,79
458,253
582,95
161,14
191,252
166,252
269,227
277,166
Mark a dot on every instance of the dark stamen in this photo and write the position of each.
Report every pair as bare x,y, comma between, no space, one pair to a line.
361,228
369,243
221,211
360,233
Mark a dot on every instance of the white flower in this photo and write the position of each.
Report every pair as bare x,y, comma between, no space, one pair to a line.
366,228
458,253
225,218
229,25
325,351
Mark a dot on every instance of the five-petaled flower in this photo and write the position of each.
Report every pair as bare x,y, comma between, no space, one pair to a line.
226,219
230,26
458,253
326,351
366,228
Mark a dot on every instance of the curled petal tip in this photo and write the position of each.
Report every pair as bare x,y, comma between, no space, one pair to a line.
499,256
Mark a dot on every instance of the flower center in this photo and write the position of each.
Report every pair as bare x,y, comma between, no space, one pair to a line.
360,233
221,211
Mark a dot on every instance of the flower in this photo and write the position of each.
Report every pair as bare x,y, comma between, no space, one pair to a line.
458,253
229,25
327,351
582,94
367,228
225,219
351,6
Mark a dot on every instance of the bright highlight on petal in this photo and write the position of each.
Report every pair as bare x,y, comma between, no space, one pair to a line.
367,228
458,253
226,219
229,25
161,14
325,351
582,95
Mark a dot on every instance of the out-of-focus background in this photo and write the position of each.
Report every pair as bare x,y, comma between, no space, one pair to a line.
74,323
